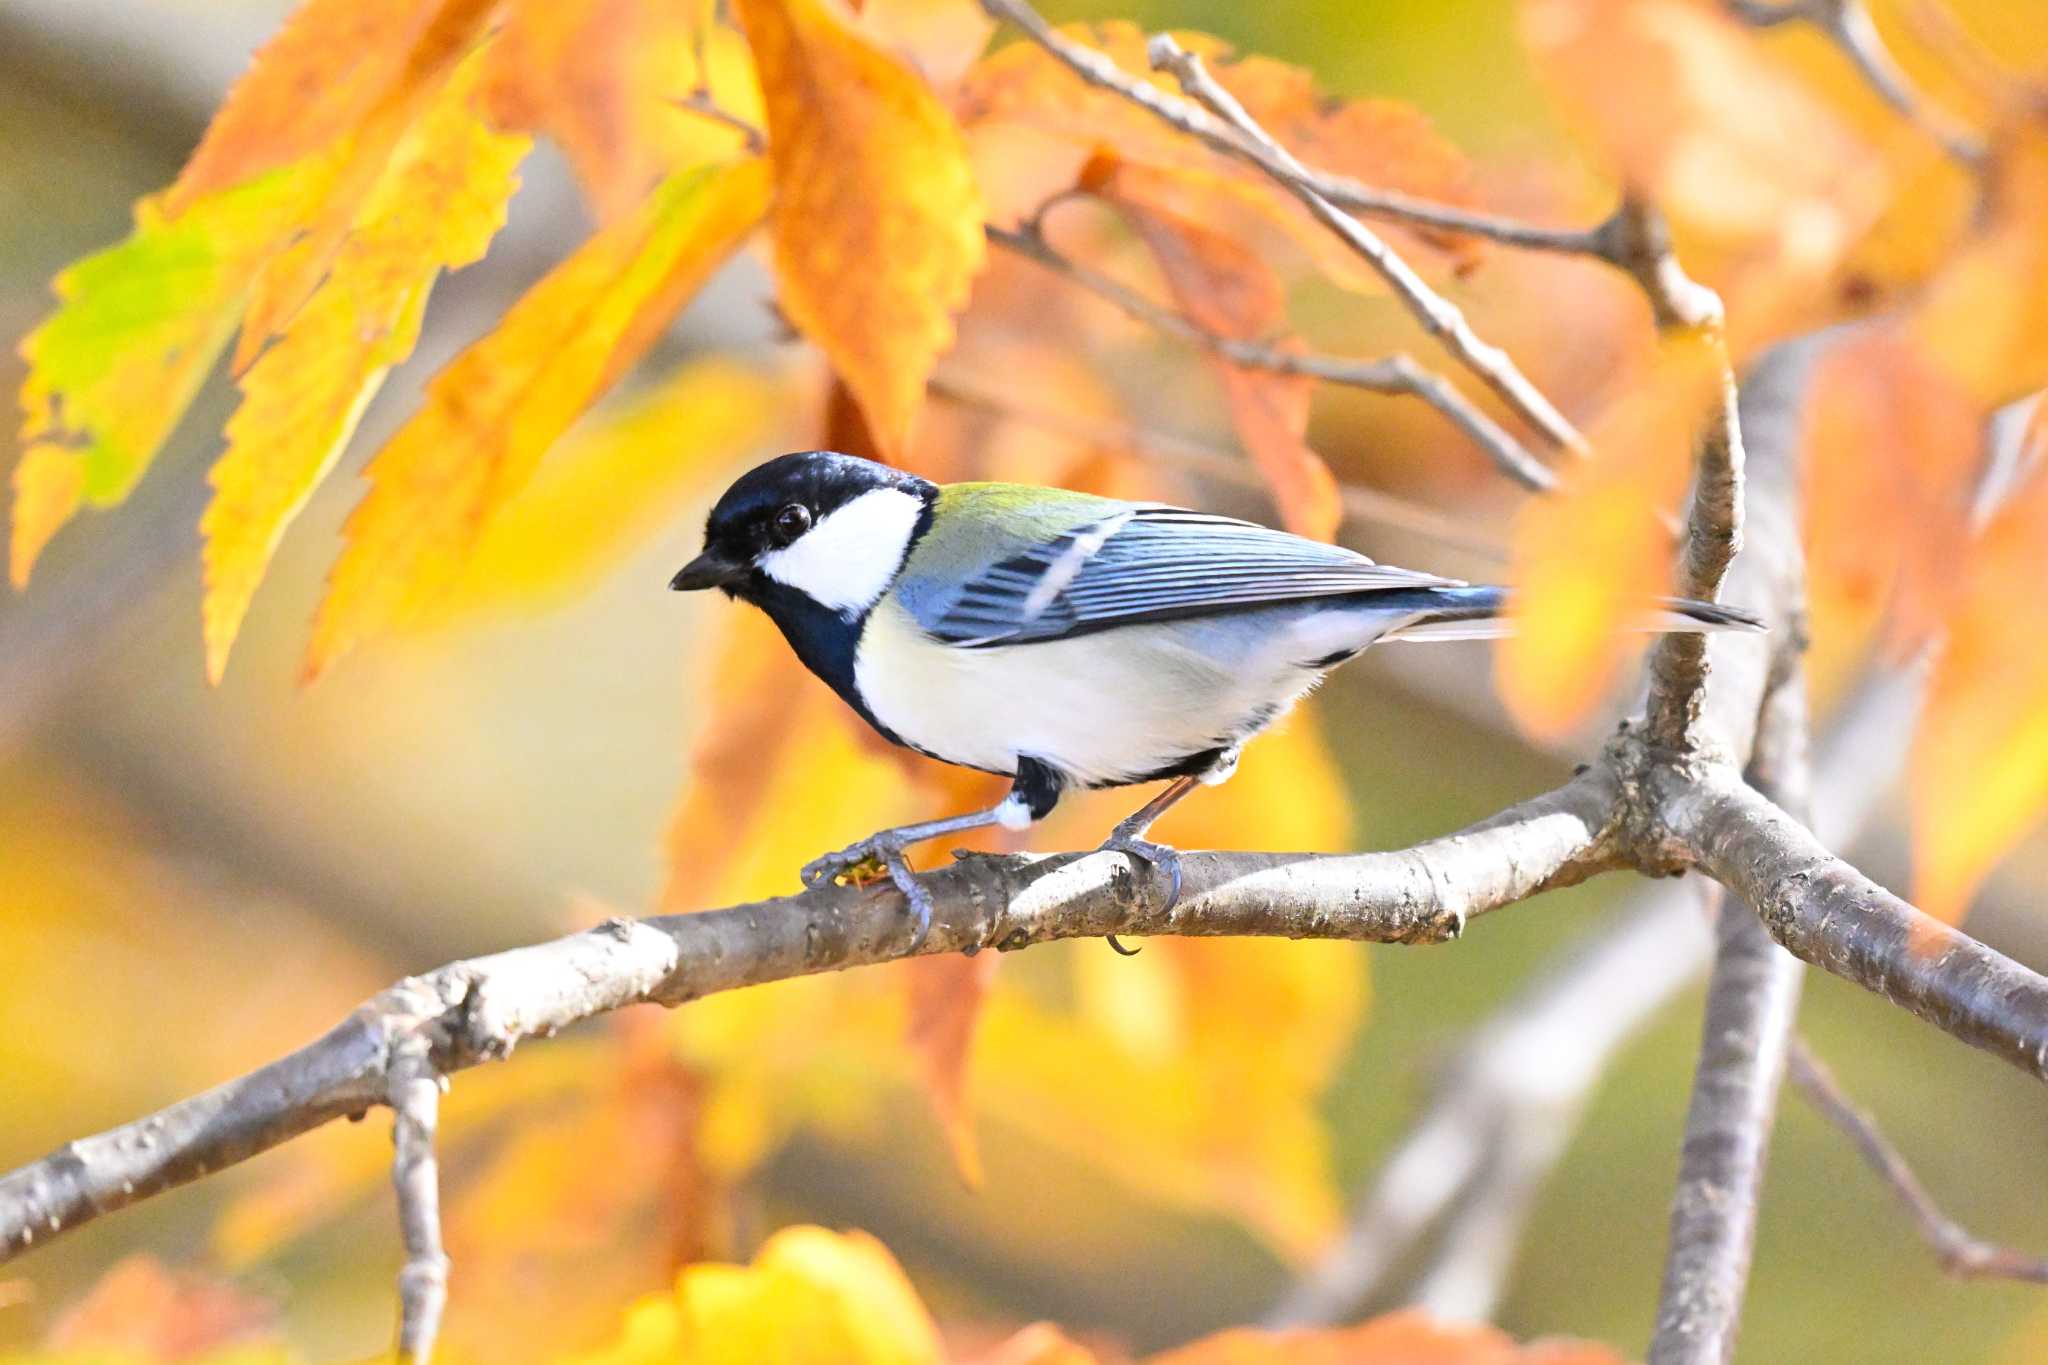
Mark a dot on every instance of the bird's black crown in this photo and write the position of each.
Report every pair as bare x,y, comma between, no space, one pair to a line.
744,524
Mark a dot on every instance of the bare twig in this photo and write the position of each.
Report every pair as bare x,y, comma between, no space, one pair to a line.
423,1281
1363,504
1439,317
701,103
1848,25
1961,1253
478,1010
1393,375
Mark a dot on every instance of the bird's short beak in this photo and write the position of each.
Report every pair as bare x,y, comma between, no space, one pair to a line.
708,570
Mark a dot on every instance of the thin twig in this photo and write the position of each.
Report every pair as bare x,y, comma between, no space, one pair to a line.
1098,70
1394,375
1960,1252
1439,317
423,1280
1369,505
701,103
1848,25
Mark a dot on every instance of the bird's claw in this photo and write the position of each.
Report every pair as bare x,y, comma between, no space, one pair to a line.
1160,857
868,861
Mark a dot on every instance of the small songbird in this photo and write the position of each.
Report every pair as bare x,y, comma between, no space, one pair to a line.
1060,639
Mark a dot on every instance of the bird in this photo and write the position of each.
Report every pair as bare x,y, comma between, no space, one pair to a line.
1061,639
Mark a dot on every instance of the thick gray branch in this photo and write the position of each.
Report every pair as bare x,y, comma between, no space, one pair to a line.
478,1010
1829,914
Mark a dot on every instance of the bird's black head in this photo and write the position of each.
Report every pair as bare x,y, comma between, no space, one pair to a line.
831,527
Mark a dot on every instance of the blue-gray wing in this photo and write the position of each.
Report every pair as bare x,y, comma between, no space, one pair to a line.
1139,562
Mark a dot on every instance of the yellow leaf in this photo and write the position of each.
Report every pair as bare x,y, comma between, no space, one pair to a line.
492,413
436,207
351,166
1980,757
878,223
811,1297
137,328
605,79
1587,559
1985,316
615,480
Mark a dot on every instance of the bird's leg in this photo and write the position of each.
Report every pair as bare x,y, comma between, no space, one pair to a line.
1129,838
885,848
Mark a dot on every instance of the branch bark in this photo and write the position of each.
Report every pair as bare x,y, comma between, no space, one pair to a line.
478,1010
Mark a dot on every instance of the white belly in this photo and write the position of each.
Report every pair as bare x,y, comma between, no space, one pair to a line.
1114,707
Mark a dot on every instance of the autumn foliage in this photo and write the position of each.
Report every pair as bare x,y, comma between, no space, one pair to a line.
856,156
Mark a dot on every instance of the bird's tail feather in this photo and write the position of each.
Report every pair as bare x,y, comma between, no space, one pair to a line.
1481,614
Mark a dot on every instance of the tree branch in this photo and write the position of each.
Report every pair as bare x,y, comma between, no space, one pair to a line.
1752,1001
1961,1254
1848,25
1396,374
1827,913
1439,317
477,1010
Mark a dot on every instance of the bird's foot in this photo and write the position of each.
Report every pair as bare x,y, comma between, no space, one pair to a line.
1160,857
868,861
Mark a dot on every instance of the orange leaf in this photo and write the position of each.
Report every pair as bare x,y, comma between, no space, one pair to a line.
604,79
878,224
1405,1338
1980,758
1985,316
1228,290
493,412
1758,172
353,163
1891,449
946,997
1022,88
437,207
1585,560
141,1309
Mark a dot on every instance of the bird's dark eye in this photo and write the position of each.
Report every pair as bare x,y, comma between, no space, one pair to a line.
791,522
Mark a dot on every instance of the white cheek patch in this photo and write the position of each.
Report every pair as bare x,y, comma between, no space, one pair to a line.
849,558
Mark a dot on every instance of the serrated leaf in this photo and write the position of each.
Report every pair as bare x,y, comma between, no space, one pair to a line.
137,329
437,207
605,79
351,165
878,222
1226,289
493,412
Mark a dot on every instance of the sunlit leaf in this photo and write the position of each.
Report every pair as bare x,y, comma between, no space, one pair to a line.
1985,317
1980,758
616,479
437,207
350,167
811,1297
492,414
1587,561
878,223
138,328
1023,89
1226,289
607,79
1891,449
